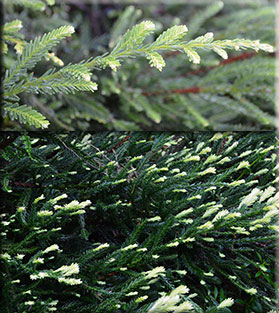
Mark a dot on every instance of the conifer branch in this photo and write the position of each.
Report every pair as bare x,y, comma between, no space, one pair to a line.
25,114
172,39
34,52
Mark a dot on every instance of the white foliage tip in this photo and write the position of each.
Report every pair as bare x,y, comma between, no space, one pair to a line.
148,25
51,248
251,197
155,272
226,303
168,303
156,60
68,270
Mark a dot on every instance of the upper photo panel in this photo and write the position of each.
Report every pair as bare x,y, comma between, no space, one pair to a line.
144,65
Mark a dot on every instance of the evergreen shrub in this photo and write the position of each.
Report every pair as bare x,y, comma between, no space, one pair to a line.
186,85
138,222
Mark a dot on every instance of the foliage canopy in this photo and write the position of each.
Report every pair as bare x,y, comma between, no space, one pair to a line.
139,222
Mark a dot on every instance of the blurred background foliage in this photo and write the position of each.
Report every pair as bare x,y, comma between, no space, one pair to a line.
235,94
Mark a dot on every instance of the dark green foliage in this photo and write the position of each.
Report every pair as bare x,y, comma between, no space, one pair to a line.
197,210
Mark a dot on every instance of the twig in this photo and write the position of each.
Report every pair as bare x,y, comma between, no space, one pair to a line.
119,144
194,89
90,144
88,163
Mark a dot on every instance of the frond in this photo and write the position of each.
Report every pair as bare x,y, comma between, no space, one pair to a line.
207,42
131,45
68,80
61,84
24,114
34,51
134,38
12,27
171,36
155,60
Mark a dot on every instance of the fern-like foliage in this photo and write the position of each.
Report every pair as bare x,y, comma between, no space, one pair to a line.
235,93
34,52
25,114
11,34
172,39
137,41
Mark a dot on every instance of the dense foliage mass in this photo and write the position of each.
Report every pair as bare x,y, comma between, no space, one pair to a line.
138,222
163,66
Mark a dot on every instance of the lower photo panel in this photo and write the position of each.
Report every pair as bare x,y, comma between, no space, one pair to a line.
139,222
